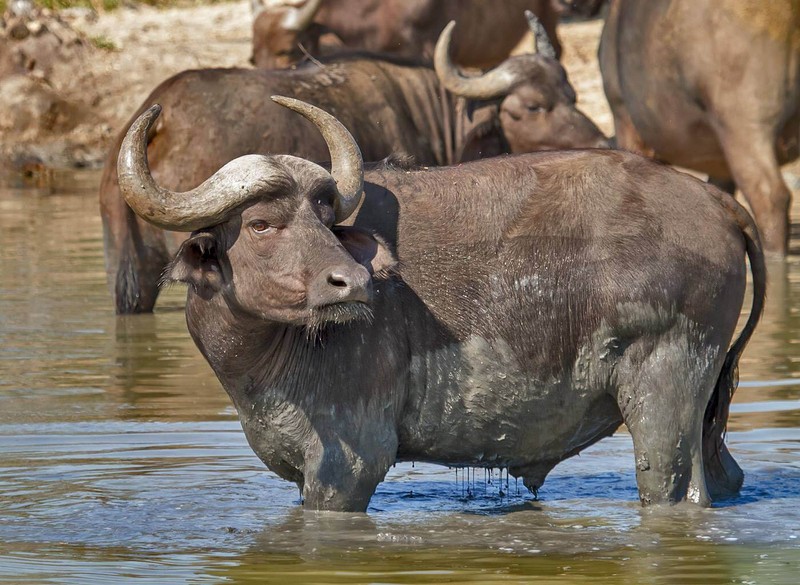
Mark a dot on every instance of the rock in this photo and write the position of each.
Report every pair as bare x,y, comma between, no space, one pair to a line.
17,29
36,27
792,180
21,8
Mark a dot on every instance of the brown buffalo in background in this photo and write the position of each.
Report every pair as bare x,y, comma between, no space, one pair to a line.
392,108
488,30
714,86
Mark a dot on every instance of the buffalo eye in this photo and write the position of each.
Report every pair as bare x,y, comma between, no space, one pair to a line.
261,227
323,199
537,109
325,206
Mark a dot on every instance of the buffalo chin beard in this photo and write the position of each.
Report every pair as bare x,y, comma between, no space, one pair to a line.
336,314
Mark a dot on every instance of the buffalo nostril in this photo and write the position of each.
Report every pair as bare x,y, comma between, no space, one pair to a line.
338,280
340,285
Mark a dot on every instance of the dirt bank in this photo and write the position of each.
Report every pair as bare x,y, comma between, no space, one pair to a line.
76,77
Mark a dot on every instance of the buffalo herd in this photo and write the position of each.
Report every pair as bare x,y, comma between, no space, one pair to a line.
495,286
392,106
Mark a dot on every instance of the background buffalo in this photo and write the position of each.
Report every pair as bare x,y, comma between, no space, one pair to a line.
713,86
286,32
394,108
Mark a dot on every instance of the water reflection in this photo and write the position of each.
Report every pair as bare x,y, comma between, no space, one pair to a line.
770,367
158,372
121,459
774,354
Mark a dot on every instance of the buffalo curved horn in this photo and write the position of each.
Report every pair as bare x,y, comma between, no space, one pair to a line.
347,166
206,205
496,82
541,42
299,18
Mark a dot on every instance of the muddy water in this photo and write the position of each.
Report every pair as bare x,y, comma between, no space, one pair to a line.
121,460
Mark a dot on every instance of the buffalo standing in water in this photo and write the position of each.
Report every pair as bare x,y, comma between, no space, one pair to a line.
711,85
213,116
507,312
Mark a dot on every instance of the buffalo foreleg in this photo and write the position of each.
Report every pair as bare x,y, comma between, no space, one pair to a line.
341,475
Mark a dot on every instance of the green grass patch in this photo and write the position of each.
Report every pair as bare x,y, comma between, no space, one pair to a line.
104,43
96,5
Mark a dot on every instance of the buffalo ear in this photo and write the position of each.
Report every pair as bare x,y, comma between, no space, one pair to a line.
320,34
479,146
197,263
368,250
483,136
473,106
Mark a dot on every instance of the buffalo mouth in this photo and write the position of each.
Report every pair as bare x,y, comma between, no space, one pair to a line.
337,313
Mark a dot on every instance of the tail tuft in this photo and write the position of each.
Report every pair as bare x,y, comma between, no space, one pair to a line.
724,477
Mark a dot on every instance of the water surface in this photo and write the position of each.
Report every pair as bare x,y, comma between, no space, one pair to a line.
121,459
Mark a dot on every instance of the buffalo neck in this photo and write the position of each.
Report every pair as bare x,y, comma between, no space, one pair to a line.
260,362
460,122
432,110
445,125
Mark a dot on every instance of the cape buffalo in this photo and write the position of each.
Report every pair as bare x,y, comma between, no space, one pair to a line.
711,85
287,33
392,108
507,312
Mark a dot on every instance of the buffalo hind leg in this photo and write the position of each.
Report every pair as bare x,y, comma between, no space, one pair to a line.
136,254
138,277
664,388
754,167
724,477
626,136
